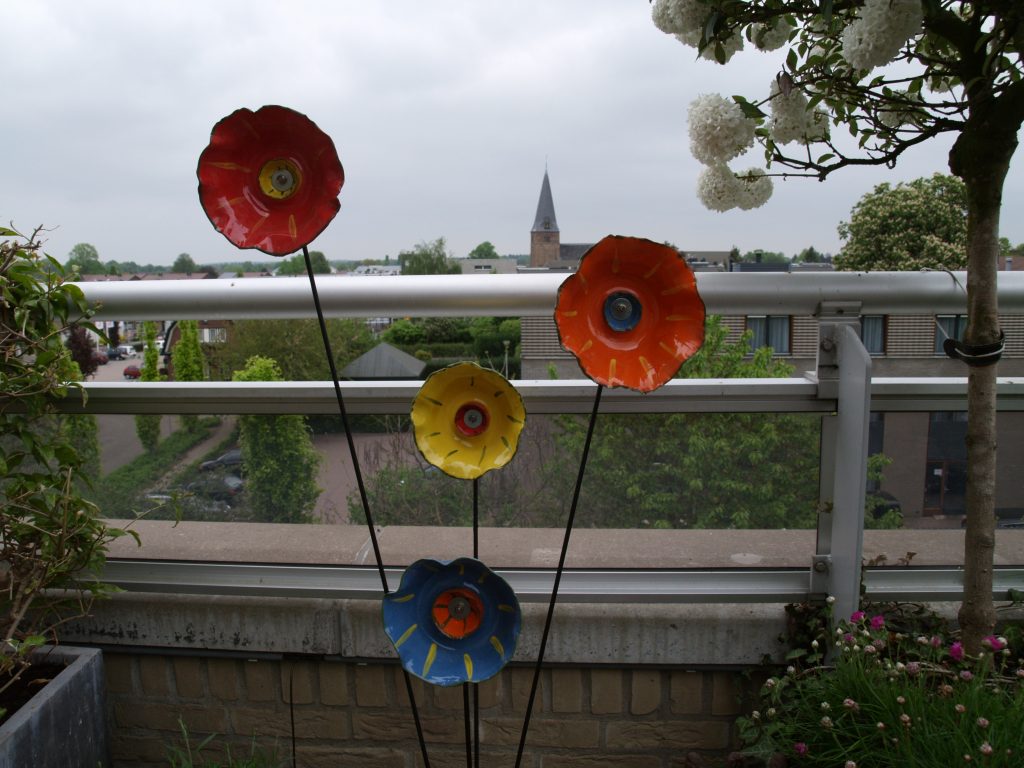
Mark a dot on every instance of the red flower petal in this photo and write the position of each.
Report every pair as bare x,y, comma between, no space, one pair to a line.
240,194
631,314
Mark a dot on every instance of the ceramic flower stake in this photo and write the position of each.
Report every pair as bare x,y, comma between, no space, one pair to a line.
269,179
452,623
631,314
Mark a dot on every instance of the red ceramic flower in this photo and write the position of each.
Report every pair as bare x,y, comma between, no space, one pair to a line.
631,314
269,179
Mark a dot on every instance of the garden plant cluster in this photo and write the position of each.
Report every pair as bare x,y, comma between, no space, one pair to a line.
894,687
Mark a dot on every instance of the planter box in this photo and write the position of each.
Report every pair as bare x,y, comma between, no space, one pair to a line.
65,724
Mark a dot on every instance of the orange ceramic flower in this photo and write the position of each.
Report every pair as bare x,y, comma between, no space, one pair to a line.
631,314
269,179
467,419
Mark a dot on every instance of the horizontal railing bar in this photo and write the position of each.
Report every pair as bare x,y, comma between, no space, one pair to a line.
934,584
733,293
534,585
791,395
395,397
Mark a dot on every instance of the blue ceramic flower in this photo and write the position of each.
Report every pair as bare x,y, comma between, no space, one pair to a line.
452,622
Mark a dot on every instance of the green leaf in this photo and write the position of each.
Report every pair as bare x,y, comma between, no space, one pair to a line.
748,109
796,653
791,59
826,10
824,158
5,232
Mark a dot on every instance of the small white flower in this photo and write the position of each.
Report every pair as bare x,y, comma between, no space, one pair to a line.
757,188
718,189
792,120
830,599
676,17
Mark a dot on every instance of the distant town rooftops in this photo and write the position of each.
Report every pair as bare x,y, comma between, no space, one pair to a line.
364,270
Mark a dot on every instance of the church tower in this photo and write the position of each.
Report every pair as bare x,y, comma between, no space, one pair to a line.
545,245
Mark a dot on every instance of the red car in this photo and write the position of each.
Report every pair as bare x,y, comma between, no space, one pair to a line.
132,372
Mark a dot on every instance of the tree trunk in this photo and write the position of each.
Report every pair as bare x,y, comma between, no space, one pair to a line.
981,157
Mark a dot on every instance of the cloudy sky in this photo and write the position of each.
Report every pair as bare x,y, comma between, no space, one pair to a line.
444,115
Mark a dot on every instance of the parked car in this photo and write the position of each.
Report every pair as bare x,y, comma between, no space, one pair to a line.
101,358
114,353
232,458
132,372
128,350
186,503
223,488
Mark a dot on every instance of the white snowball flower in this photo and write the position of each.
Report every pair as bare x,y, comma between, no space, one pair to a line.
789,115
718,188
674,17
756,188
719,131
767,38
793,120
876,36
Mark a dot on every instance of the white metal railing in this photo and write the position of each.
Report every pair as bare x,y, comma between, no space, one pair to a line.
840,390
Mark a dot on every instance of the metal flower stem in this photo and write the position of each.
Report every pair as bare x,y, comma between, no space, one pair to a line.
558,573
359,481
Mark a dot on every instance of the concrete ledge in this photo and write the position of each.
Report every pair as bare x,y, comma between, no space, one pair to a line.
663,635
533,547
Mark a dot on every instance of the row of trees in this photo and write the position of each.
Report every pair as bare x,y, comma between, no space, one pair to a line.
426,258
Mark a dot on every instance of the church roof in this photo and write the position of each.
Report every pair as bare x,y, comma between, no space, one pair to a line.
545,220
384,362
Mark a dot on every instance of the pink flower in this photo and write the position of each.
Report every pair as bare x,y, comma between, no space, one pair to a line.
966,674
995,643
877,622
800,748
982,722
856,616
986,748
956,651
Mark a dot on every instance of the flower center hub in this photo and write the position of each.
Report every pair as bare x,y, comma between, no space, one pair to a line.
622,311
280,179
472,419
458,612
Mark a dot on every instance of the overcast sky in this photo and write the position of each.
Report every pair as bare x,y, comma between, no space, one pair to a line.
444,115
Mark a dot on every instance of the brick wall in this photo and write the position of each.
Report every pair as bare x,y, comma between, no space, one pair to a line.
351,714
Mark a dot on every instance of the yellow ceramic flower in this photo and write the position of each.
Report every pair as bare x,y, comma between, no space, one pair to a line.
467,420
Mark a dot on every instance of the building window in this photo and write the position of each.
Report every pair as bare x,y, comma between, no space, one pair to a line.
872,333
214,335
769,331
948,327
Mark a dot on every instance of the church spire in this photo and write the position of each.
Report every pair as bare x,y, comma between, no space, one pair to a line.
545,220
545,245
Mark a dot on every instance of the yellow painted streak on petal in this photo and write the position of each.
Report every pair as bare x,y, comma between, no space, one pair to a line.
293,230
570,313
405,635
262,220
677,318
498,394
403,598
615,263
612,364
646,364
451,453
506,608
483,578
653,269
498,646
505,442
588,345
582,279
462,570
667,348
235,201
469,666
670,291
483,453
226,166
431,655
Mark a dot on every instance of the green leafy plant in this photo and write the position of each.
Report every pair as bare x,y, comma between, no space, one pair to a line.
901,691
52,542
189,755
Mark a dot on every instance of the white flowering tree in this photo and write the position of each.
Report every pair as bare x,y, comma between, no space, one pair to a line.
892,74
